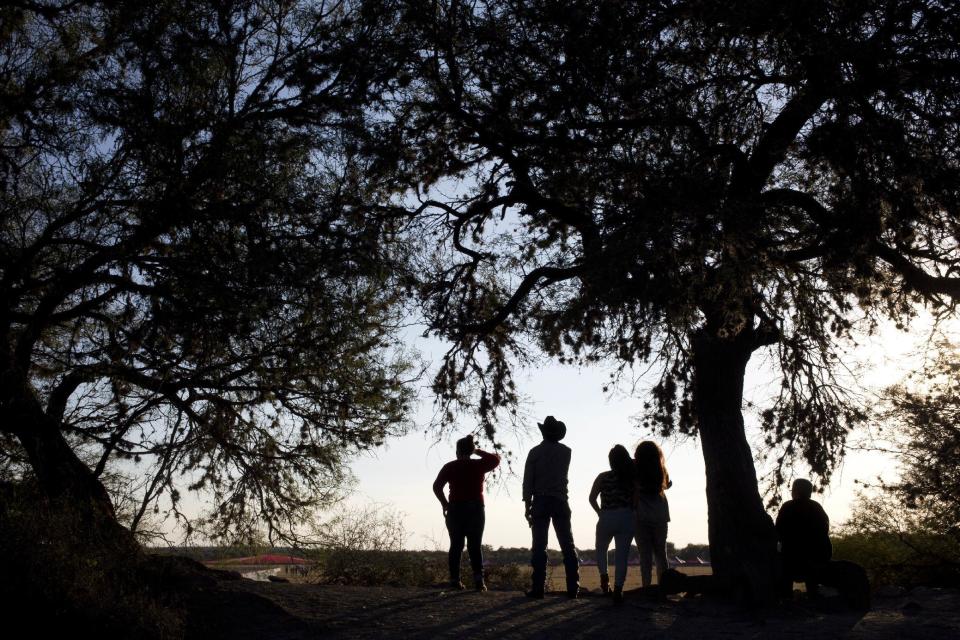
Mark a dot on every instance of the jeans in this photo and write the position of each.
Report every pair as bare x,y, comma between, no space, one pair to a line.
619,525
465,520
545,509
652,542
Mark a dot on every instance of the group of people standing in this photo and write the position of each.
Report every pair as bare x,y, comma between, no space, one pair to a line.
632,505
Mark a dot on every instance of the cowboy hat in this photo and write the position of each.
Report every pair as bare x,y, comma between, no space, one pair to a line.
552,429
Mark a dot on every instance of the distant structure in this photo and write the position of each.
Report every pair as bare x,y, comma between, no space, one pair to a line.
264,559
265,566
679,560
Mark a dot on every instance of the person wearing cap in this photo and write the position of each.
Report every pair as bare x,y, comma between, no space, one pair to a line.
545,500
464,510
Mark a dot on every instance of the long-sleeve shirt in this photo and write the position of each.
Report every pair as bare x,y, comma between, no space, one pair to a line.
465,477
545,472
804,530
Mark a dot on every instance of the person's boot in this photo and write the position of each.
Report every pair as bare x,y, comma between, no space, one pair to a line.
618,594
604,583
456,585
573,591
478,583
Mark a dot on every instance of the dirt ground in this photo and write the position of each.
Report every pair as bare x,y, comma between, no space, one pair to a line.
244,609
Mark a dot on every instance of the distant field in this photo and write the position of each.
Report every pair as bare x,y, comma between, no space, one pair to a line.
590,577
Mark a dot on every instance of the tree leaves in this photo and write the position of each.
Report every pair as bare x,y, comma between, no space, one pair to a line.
740,170
189,272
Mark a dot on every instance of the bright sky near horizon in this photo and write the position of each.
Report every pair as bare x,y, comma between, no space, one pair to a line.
400,475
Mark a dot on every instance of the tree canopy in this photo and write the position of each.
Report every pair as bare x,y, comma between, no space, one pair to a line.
683,184
191,292
201,258
630,174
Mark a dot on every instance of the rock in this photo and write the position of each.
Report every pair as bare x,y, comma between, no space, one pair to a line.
277,579
177,573
912,608
925,592
890,591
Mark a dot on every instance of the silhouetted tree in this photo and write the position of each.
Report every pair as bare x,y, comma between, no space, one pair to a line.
189,284
924,417
906,528
684,183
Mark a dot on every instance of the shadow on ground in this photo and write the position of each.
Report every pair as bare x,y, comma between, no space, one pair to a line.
244,609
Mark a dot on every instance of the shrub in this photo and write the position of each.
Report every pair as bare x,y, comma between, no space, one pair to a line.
895,547
908,531
375,568
507,577
407,569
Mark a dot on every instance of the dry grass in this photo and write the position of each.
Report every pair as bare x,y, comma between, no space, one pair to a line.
590,576
399,569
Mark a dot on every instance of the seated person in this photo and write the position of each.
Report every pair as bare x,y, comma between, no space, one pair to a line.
803,531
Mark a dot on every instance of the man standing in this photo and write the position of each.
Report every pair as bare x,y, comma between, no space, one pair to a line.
545,499
464,511
803,529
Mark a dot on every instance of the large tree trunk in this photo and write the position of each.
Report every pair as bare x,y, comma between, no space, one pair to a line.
62,478
70,557
743,544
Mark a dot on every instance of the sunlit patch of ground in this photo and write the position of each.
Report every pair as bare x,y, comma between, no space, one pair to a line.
590,576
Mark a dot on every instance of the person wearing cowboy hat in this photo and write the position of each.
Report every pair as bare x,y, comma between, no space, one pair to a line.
545,499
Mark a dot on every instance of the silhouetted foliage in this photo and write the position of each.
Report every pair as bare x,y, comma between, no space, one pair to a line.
925,419
683,183
191,292
911,525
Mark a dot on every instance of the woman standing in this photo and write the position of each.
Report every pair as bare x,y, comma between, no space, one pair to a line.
653,512
463,510
615,488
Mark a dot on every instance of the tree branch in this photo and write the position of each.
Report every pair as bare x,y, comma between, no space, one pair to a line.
776,140
550,275
915,277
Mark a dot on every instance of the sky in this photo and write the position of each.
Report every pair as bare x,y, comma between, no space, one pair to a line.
399,476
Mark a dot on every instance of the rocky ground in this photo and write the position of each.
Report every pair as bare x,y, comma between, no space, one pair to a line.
243,609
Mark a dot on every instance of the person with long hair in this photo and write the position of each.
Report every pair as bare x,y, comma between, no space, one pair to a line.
652,509
616,518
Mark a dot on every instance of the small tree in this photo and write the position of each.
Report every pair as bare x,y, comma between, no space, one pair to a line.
917,516
188,283
925,419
